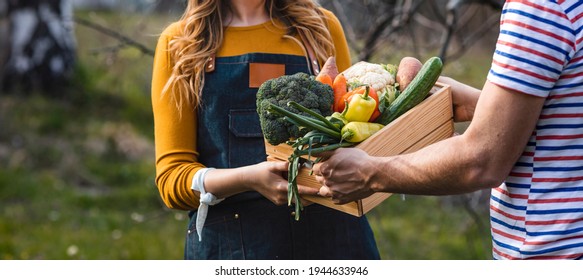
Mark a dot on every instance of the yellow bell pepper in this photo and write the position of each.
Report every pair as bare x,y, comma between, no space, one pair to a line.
361,107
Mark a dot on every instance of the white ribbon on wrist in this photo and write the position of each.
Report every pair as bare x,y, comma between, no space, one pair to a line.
206,199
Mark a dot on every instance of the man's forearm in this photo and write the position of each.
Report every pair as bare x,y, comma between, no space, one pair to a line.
454,167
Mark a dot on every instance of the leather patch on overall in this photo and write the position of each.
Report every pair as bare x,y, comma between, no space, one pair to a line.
261,72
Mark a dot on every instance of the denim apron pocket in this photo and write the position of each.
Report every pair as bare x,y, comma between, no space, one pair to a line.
246,139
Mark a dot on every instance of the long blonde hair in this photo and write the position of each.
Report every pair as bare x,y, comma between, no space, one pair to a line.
202,35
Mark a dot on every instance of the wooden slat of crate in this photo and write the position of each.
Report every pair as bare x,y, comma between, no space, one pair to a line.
413,126
281,151
427,123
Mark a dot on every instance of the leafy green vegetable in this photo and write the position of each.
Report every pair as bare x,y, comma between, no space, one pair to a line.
300,88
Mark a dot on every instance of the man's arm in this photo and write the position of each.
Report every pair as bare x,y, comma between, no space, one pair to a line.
480,158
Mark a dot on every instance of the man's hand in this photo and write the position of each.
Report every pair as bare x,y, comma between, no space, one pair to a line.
345,174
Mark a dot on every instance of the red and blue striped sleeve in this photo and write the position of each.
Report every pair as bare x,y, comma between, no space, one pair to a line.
536,41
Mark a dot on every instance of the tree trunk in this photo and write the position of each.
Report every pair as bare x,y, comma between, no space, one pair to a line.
39,52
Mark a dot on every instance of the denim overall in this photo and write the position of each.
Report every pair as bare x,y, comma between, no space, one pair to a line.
247,225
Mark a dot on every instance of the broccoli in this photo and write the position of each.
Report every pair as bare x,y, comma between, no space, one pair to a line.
301,88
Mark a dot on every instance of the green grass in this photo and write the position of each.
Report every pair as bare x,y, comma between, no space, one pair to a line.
45,217
72,189
425,228
77,173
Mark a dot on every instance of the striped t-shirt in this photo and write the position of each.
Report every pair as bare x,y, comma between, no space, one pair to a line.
538,212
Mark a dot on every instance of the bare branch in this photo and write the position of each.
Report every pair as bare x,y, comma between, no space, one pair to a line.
492,21
397,20
350,34
451,23
122,38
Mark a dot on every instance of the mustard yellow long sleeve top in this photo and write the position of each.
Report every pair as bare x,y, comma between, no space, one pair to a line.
175,129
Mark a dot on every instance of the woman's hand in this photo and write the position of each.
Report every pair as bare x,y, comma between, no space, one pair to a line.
346,175
269,179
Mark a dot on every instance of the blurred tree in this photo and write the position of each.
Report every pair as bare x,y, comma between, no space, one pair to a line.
172,6
37,46
415,27
453,10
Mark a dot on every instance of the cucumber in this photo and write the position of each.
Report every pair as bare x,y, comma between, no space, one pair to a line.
416,92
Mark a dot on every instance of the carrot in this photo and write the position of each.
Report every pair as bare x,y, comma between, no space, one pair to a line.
407,70
330,68
325,79
339,87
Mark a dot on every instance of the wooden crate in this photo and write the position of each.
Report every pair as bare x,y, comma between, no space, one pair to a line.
426,123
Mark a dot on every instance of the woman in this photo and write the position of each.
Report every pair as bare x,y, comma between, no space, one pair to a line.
209,145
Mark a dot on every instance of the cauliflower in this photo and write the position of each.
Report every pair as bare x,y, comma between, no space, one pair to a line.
378,76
